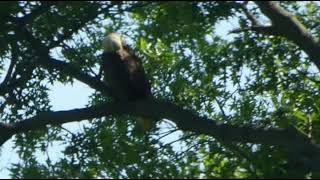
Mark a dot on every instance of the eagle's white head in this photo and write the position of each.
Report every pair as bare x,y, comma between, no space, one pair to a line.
113,42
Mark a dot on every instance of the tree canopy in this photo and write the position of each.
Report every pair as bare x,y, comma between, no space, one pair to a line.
229,103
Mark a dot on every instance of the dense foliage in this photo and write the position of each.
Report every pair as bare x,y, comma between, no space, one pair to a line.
240,77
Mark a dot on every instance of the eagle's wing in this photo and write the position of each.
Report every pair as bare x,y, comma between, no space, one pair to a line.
139,82
116,75
124,73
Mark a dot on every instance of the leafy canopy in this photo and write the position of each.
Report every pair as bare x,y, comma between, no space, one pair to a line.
238,79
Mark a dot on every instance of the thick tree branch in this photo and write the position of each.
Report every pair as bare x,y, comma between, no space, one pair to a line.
288,26
290,139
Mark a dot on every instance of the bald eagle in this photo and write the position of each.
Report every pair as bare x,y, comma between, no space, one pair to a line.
123,70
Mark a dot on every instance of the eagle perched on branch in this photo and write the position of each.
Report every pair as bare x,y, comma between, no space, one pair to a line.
125,75
123,70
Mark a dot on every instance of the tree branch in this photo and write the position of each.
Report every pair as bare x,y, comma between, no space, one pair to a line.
266,30
251,17
11,82
42,51
72,71
4,84
6,132
50,63
288,26
290,139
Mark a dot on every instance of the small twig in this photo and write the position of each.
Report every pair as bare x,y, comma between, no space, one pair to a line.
225,117
177,140
72,134
266,30
179,156
167,133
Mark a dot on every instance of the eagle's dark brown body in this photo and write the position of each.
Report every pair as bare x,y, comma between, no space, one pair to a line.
124,73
